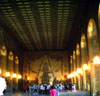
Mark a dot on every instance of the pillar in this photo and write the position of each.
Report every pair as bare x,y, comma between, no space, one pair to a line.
3,60
10,70
93,48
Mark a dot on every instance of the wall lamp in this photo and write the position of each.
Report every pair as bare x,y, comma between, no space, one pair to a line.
85,67
79,71
96,60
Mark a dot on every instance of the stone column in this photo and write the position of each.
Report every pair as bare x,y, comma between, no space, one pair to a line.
3,60
10,69
79,66
93,51
16,71
71,62
74,66
84,58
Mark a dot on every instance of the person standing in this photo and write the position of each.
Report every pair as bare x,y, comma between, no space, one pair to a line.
57,90
70,85
3,86
53,91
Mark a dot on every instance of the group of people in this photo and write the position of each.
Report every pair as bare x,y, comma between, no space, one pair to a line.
43,89
47,88
40,89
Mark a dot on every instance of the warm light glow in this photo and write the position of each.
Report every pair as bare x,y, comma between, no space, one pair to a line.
77,49
77,46
16,57
77,52
79,71
83,36
16,60
99,6
19,76
3,51
71,59
0,71
10,55
74,54
96,60
62,78
83,44
91,28
99,12
69,76
85,67
28,78
74,74
7,74
14,75
3,47
71,56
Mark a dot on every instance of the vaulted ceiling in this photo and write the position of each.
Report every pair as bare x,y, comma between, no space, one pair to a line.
42,24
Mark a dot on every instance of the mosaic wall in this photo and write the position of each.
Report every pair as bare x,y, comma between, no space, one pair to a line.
54,64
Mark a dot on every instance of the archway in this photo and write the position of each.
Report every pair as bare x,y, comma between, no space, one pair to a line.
93,48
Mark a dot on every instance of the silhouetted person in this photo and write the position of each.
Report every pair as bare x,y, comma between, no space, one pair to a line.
70,85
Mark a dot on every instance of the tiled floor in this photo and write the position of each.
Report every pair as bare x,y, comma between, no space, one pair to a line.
62,93
22,94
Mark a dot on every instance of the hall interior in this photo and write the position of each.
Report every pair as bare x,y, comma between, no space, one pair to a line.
48,41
